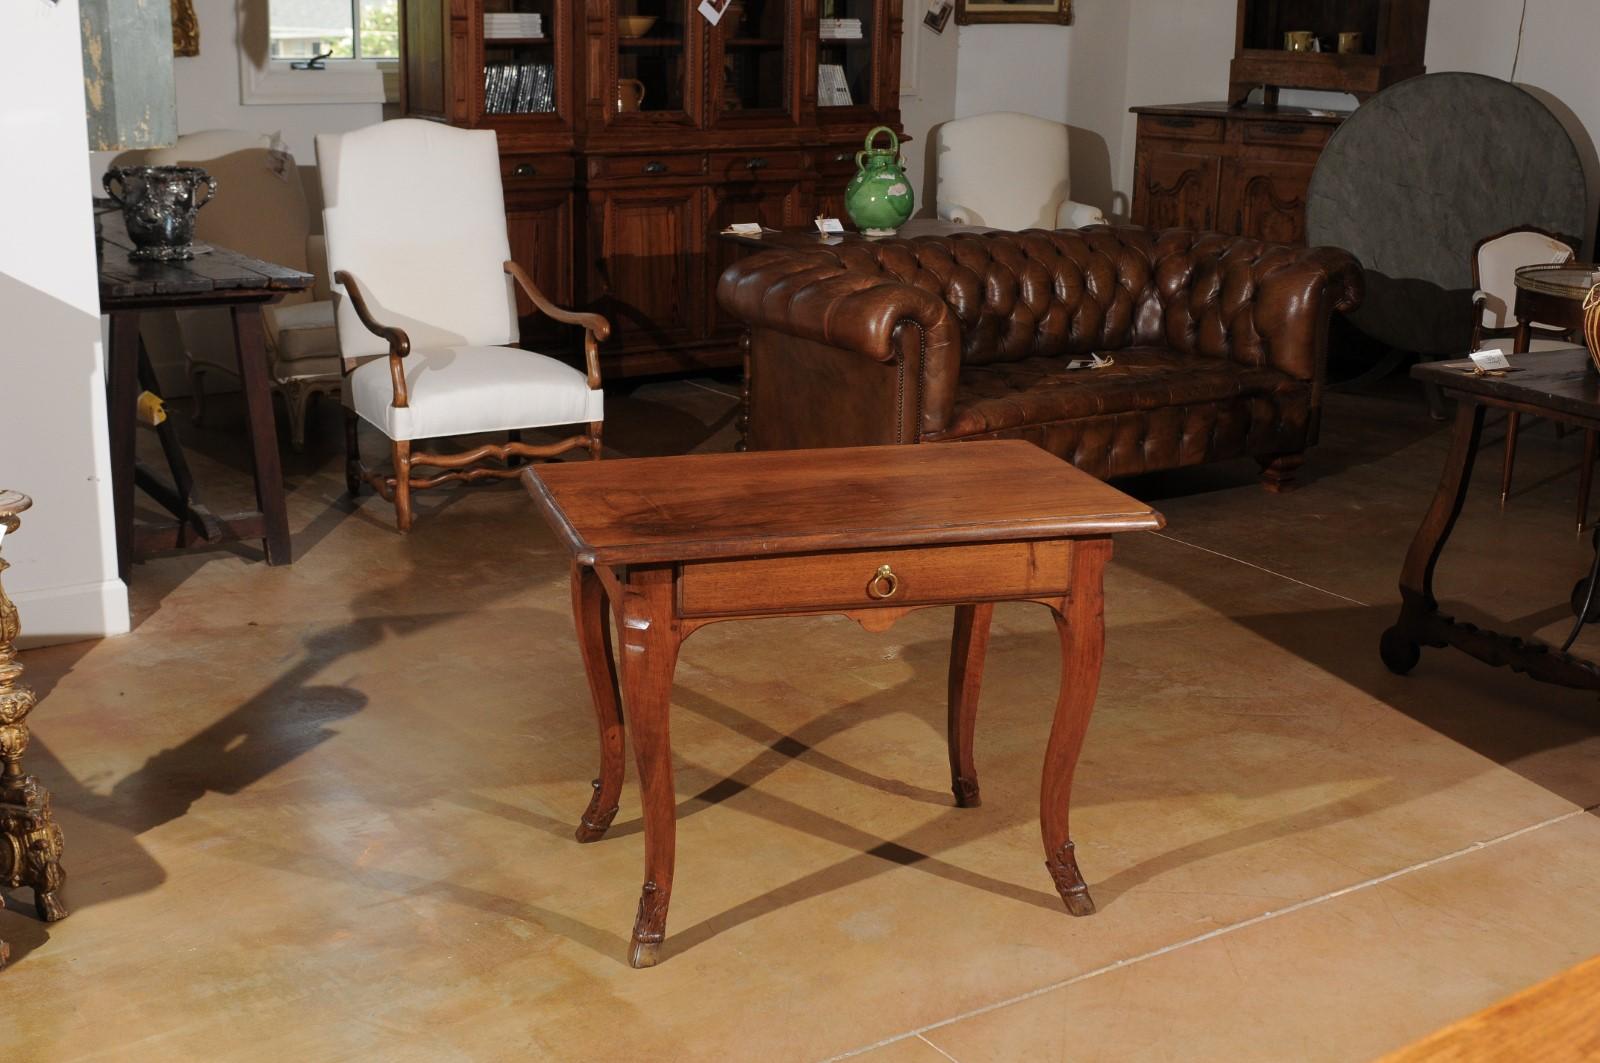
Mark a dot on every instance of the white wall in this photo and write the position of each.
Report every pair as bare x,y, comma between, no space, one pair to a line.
927,62
53,439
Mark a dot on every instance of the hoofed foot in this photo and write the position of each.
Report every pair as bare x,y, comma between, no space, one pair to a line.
966,791
1399,653
649,927
596,820
49,906
1063,868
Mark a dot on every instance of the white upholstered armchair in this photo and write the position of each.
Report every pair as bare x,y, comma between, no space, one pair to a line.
1007,171
426,311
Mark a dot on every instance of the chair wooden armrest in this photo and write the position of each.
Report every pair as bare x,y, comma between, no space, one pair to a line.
399,342
595,327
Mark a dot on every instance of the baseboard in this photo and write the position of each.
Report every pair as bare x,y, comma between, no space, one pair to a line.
52,615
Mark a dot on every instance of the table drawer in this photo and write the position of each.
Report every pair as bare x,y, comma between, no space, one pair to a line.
862,579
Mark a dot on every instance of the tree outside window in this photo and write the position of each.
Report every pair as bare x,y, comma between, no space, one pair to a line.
301,29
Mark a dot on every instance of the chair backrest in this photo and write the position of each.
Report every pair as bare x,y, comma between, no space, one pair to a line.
415,212
1494,266
1009,169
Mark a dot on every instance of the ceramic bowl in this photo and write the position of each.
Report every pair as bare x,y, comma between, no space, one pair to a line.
635,25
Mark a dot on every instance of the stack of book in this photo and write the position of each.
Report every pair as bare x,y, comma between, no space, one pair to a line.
833,88
518,88
498,25
839,29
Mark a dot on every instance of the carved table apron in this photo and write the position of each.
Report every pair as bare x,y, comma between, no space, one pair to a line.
673,544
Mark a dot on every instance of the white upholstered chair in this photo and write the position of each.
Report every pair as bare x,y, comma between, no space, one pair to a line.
426,312
1495,261
261,210
1007,171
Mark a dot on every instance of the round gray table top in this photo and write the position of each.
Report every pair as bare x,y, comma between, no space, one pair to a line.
1418,175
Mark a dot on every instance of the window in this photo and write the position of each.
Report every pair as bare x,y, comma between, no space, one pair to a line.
350,29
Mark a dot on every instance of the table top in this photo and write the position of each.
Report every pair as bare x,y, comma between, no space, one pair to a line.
1553,1020
699,506
809,237
209,277
1561,381
1569,280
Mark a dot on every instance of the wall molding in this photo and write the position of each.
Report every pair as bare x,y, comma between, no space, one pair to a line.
52,615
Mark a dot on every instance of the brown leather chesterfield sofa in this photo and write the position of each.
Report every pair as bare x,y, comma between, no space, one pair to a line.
1218,342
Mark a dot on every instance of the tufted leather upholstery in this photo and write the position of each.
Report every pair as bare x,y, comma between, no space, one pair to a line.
1219,342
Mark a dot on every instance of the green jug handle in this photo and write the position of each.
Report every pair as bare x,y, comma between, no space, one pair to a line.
859,164
894,141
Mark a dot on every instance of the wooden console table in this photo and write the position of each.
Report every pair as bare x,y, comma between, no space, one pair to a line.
220,278
1559,385
672,544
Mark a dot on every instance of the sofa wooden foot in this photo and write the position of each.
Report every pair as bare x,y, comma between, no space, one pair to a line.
1278,471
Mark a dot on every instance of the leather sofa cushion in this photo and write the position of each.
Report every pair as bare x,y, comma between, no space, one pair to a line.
996,396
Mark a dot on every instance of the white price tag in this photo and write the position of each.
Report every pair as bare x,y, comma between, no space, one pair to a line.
713,10
745,228
1489,361
829,225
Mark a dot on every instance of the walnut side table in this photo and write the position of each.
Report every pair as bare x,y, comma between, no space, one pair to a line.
672,544
30,841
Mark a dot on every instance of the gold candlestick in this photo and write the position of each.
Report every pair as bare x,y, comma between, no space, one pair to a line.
30,841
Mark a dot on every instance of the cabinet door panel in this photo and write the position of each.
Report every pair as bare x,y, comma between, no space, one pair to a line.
539,224
1269,200
647,264
774,204
1177,189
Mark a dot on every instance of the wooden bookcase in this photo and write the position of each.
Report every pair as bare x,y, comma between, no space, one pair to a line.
662,130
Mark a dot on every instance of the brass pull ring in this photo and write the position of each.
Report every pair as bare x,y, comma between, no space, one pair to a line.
883,584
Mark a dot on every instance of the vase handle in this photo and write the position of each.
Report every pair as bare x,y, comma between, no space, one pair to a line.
211,192
894,141
105,182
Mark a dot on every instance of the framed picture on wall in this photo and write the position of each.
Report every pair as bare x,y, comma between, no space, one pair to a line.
980,12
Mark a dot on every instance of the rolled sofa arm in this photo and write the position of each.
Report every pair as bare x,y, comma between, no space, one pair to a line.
1298,292
817,297
1074,215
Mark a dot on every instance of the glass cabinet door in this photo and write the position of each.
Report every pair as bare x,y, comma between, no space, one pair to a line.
519,58
654,60
845,46
756,36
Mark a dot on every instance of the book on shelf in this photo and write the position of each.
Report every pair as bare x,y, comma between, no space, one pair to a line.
833,88
839,29
497,25
518,88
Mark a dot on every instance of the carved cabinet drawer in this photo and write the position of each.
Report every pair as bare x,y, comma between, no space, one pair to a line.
1307,134
1184,126
863,579
517,170
647,166
753,165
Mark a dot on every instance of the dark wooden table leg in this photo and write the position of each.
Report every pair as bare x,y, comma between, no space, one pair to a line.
969,643
649,655
1401,645
250,340
1586,477
1080,623
122,407
590,608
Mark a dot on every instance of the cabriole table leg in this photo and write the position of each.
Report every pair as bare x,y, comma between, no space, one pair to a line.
969,642
1080,624
650,640
589,609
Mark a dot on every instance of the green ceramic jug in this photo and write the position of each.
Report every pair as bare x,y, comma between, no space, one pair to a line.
879,197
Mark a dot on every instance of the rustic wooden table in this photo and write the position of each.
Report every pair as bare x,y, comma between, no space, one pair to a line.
220,278
1559,385
672,544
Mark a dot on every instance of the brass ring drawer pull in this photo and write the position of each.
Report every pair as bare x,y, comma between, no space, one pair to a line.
883,584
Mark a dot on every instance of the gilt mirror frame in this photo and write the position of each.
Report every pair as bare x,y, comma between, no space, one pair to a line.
998,12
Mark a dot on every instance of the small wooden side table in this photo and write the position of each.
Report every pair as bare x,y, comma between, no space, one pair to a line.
1559,385
30,840
672,544
220,278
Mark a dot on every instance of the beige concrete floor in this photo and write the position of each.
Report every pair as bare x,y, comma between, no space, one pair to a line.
324,812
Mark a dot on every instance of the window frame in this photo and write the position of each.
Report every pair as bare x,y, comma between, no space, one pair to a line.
275,82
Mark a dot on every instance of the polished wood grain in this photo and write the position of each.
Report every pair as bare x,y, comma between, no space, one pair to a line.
1559,385
1552,1022
698,507
673,544
1395,32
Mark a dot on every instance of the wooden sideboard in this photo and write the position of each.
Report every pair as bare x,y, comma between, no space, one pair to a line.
1241,170
650,131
